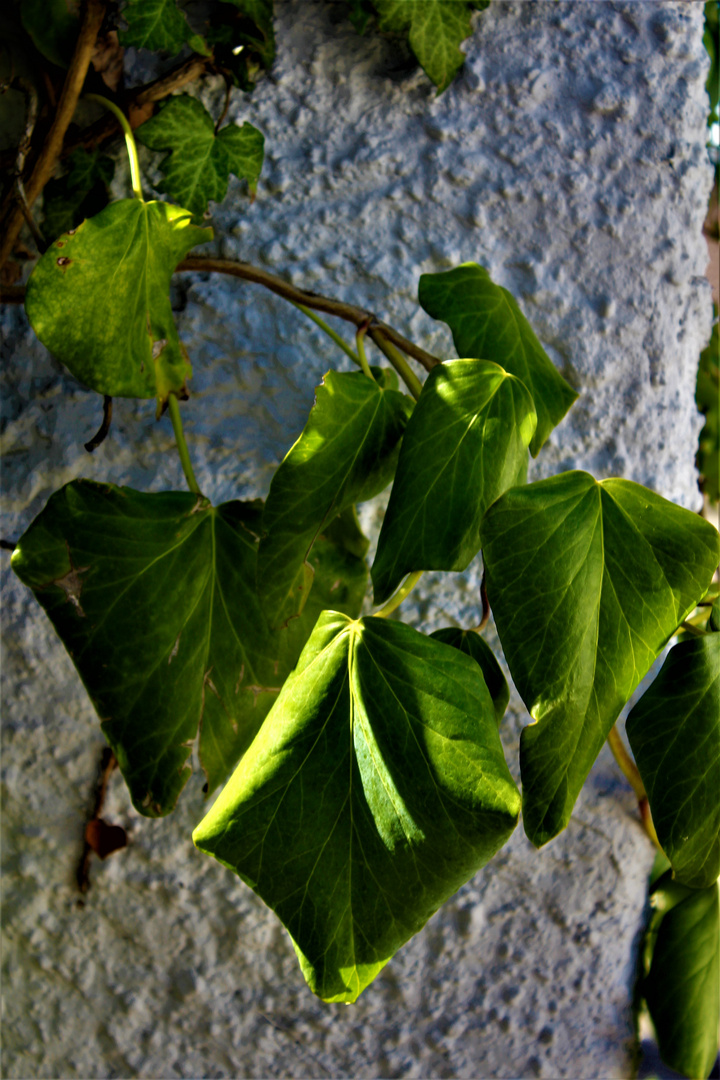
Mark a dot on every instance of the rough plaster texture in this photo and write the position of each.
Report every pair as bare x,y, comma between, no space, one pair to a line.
568,158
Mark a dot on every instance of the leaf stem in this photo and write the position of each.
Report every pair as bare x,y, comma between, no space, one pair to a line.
396,600
174,410
129,140
689,628
630,771
329,331
360,343
400,364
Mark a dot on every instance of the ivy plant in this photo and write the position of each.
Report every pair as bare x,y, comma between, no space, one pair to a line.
364,776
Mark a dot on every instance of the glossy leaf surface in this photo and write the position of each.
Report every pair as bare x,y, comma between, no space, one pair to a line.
346,453
99,299
200,161
376,787
682,985
154,598
587,581
158,25
465,444
435,28
486,322
674,733
470,643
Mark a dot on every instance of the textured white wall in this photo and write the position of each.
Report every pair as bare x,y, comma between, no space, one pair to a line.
568,158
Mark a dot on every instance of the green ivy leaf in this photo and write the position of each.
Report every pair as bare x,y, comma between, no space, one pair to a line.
158,25
674,733
436,29
465,444
53,26
376,787
707,398
154,597
360,13
99,299
76,195
587,581
200,162
486,322
682,980
347,453
470,643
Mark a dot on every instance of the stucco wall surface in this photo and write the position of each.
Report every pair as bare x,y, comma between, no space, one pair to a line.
568,159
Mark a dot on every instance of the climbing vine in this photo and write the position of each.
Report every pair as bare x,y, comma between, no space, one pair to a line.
364,776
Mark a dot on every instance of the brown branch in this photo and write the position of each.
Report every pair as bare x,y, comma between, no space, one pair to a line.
275,284
12,294
93,15
133,103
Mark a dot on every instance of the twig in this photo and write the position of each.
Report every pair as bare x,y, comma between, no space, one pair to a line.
107,127
108,762
349,312
485,605
630,771
7,545
101,433
223,114
89,28
12,294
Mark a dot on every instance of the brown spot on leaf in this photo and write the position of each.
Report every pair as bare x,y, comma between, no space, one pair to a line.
174,650
158,346
256,690
241,676
60,243
335,585
63,261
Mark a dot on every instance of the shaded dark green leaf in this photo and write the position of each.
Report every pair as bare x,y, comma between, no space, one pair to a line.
435,29
466,442
53,26
470,643
347,453
376,787
200,161
674,733
682,979
486,322
154,598
252,27
99,299
360,13
158,25
707,397
80,193
587,582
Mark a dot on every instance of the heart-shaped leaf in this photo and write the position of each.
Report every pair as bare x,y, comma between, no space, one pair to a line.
466,442
470,643
376,787
158,25
682,977
674,733
200,161
486,322
587,581
436,28
99,299
154,598
346,453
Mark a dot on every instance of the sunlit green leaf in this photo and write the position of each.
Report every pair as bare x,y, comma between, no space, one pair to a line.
346,453
200,161
682,979
376,787
436,29
465,444
470,643
80,193
154,597
99,299
158,25
486,322
674,733
587,581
